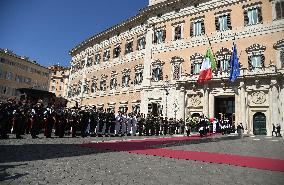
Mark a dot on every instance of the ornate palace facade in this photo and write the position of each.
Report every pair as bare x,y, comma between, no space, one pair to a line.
151,62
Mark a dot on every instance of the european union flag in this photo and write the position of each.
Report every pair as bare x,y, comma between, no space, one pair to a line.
235,66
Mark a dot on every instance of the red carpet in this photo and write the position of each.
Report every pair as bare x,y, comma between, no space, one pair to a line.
146,147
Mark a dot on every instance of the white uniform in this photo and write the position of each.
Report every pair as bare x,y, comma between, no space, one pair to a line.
117,124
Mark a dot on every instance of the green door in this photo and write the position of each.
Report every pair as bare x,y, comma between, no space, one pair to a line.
259,124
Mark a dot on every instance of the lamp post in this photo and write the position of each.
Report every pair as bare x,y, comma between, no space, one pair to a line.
166,88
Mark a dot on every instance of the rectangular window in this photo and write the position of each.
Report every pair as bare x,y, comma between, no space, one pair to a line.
129,47
116,52
196,68
197,28
279,9
223,22
177,33
256,61
97,58
106,55
141,42
253,16
159,36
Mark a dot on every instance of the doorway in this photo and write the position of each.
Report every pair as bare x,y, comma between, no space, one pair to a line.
225,108
259,124
153,108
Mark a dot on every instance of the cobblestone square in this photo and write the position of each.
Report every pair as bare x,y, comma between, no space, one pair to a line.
63,161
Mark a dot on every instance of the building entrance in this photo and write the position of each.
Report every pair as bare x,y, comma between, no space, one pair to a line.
225,108
259,124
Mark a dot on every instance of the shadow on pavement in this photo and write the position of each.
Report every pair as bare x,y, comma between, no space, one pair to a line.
5,176
32,152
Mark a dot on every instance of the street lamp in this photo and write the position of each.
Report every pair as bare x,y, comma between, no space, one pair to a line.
166,88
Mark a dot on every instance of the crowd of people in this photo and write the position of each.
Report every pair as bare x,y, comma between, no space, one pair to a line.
23,117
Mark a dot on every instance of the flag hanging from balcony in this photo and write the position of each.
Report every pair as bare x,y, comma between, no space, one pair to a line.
235,66
208,65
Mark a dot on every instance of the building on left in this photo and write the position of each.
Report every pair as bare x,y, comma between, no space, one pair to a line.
18,72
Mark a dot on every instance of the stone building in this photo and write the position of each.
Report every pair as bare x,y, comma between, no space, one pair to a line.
19,72
59,80
151,62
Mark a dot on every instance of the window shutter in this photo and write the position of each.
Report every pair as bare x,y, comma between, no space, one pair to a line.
217,23
155,37
218,65
153,74
246,19
249,62
202,27
229,21
161,75
260,15
191,68
262,60
164,35
191,29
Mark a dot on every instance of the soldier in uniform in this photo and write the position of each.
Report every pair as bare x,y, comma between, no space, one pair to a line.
74,119
118,124
93,121
140,121
181,126
37,119
49,122
157,125
18,117
6,111
113,124
101,122
165,126
107,122
148,124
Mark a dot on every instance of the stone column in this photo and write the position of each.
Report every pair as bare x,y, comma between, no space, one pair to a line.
211,106
182,103
83,80
242,109
274,101
205,100
148,58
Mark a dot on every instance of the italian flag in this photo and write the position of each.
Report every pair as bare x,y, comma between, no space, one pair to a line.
208,65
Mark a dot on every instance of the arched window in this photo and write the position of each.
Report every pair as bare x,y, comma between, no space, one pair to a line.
256,57
196,62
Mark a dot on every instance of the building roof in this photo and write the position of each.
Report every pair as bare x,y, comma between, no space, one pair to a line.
141,14
12,54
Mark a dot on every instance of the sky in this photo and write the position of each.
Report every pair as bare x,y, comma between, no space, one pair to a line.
46,30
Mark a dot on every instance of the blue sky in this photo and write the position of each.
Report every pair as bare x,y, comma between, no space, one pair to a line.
45,30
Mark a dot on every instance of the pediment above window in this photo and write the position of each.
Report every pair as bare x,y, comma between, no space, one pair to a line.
126,71
158,63
255,49
279,45
177,59
223,53
197,58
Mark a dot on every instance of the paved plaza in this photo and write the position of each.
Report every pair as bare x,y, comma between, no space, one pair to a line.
65,161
